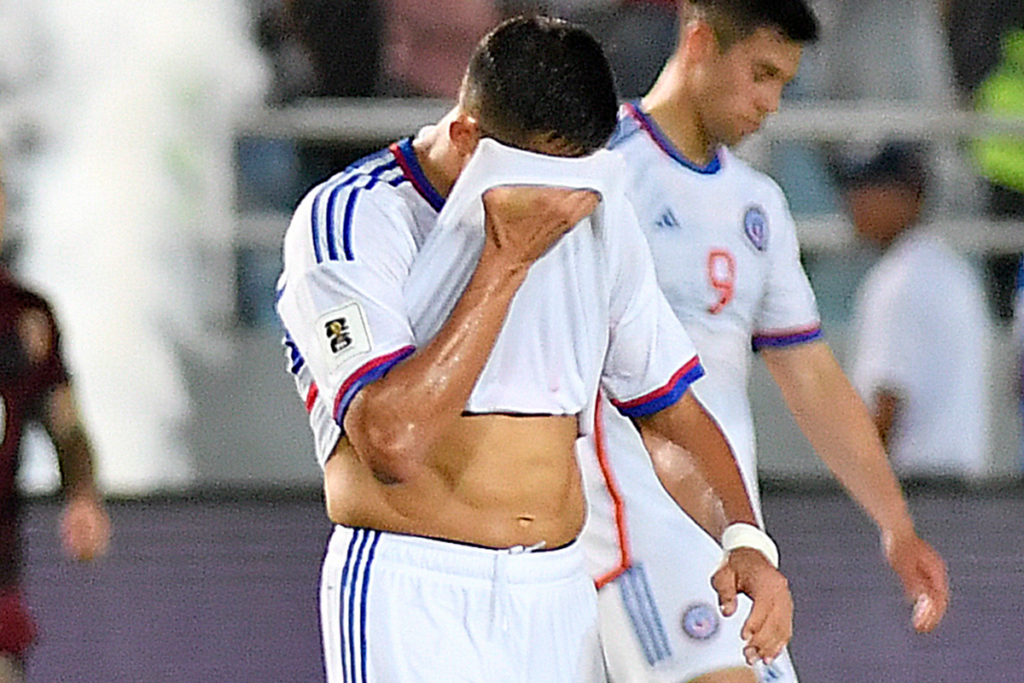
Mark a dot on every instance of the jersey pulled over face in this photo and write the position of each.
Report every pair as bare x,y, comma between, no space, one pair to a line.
373,267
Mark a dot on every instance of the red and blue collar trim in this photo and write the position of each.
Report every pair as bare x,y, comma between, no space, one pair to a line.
662,141
406,157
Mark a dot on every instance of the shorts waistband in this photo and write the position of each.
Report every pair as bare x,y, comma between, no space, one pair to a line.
517,564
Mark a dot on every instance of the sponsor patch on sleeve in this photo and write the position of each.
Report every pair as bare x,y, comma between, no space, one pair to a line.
343,334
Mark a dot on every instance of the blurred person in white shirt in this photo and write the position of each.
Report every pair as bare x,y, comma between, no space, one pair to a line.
922,327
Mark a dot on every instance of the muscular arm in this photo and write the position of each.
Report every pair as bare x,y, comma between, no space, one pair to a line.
842,432
393,422
687,425
74,453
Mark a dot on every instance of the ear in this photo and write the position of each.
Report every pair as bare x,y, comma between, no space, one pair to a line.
700,43
464,132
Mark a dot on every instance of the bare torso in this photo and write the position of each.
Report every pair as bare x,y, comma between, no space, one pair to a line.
494,480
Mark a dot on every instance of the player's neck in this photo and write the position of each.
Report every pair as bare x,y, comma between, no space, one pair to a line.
437,157
669,104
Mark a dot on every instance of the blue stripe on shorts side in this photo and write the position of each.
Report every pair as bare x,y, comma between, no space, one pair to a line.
366,591
643,613
341,599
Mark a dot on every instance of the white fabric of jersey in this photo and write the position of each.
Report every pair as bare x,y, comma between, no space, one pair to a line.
370,274
727,258
922,330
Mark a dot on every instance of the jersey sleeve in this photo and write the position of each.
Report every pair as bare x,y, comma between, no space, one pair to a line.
788,313
651,361
340,293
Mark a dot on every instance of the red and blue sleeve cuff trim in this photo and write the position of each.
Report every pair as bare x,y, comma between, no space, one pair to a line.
368,373
662,398
787,338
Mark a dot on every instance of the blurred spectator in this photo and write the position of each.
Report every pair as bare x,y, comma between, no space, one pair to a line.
293,74
367,48
637,35
343,40
974,29
427,44
1001,157
922,328
874,53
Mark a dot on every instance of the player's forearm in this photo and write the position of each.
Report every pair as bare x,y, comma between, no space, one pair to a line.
74,454
393,422
682,480
836,422
71,442
688,425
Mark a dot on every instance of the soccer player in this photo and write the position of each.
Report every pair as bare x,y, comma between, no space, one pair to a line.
726,256
448,329
35,387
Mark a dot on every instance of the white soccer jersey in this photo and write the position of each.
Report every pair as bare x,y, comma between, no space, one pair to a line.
727,258
726,255
372,270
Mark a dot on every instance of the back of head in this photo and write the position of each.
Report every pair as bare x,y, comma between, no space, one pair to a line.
894,163
734,20
884,192
537,80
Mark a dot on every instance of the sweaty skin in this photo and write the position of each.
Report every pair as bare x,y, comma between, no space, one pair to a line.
493,480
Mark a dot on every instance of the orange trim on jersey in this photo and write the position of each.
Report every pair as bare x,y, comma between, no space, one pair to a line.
618,503
314,391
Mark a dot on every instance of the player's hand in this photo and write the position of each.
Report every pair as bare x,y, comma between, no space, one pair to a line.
770,624
523,222
85,527
923,573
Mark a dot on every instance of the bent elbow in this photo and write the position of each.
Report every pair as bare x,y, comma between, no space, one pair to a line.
388,444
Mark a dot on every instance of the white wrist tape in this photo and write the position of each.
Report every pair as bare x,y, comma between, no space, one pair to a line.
742,535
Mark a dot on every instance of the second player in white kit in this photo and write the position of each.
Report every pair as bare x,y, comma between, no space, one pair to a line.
727,258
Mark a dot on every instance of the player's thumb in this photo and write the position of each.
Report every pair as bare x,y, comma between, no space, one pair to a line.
724,583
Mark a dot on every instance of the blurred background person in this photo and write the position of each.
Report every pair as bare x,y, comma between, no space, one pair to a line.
35,388
922,330
1000,158
637,35
130,212
427,44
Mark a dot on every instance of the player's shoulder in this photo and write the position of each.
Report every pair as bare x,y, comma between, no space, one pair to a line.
371,202
17,295
378,178
627,130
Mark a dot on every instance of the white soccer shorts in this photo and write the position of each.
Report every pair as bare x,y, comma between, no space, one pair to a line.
406,609
660,621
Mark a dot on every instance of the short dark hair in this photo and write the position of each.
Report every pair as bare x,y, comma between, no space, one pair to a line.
896,163
536,79
735,20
